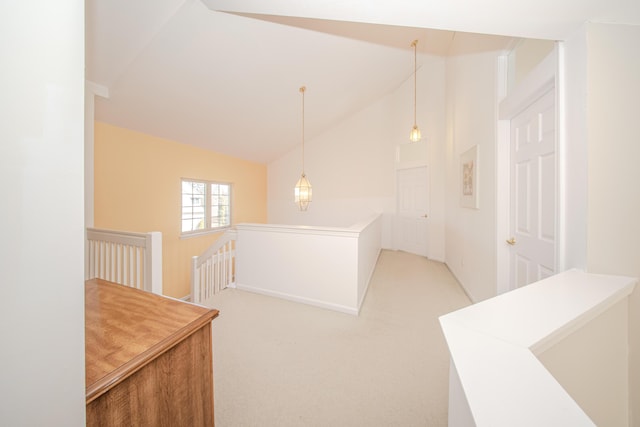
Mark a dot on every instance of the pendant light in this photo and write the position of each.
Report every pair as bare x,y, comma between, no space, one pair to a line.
302,191
414,135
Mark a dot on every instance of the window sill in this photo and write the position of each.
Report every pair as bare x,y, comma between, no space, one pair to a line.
204,232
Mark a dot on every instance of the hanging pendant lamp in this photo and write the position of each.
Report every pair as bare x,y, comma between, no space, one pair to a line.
414,135
302,191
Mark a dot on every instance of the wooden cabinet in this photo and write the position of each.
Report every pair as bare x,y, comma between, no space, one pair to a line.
148,358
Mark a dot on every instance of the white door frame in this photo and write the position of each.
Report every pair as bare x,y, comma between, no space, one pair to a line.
543,78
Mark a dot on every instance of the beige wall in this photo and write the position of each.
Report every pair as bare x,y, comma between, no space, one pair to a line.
613,89
591,365
137,188
525,56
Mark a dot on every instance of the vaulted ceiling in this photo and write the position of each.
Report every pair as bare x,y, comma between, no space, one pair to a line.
224,74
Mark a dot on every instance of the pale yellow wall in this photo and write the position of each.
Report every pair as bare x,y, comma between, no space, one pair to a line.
137,188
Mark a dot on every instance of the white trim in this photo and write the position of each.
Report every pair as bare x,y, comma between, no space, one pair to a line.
187,235
209,229
91,90
541,79
561,162
96,89
295,298
411,164
502,180
296,229
466,290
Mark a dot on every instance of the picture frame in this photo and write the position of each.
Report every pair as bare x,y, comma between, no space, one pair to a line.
469,184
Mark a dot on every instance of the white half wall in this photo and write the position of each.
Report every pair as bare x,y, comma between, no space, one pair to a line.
328,267
530,357
42,214
352,166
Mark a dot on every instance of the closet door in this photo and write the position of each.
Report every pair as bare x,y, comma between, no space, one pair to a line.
413,207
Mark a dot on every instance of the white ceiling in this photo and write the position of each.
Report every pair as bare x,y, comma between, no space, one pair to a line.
224,74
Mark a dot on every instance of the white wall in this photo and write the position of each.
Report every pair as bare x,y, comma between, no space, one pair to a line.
346,166
471,120
613,88
42,224
329,267
352,166
573,153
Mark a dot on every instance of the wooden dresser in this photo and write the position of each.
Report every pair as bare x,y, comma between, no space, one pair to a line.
148,359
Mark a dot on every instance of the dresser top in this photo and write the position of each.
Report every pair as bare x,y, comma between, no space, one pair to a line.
126,328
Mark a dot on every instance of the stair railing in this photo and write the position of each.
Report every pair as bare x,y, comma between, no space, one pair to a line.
214,269
128,258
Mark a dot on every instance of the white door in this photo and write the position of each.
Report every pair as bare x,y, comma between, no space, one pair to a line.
413,208
532,237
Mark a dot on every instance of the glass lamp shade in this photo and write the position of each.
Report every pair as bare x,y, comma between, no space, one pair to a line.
414,135
302,193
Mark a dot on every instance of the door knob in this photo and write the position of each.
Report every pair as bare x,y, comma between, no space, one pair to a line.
425,216
512,241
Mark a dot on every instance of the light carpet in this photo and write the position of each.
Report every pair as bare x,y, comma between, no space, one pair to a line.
281,363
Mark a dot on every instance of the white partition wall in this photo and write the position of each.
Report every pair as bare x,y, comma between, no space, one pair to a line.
553,353
369,245
327,267
42,226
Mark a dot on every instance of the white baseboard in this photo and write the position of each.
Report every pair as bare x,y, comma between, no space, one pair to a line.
464,288
309,301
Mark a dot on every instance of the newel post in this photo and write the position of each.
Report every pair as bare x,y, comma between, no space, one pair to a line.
153,263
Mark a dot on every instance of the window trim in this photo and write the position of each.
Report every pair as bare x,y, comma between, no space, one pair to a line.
207,205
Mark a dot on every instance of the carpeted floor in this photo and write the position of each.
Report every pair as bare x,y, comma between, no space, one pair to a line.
280,363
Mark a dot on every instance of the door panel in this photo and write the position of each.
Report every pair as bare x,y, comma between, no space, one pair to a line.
413,206
547,197
523,198
533,192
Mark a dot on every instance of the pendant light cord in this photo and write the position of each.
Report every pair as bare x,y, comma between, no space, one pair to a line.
302,90
415,82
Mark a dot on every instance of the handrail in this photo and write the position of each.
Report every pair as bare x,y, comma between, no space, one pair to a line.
214,269
494,346
128,258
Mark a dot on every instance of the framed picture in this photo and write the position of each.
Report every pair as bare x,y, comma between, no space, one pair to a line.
469,178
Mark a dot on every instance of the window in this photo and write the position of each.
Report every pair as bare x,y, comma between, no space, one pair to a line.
206,206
